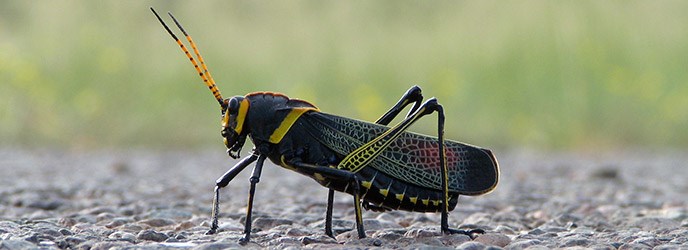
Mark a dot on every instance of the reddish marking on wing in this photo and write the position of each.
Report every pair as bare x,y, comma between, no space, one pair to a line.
426,154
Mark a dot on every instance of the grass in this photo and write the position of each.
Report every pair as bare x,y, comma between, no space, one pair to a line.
570,75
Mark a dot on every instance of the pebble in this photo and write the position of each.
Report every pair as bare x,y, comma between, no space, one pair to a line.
387,235
420,233
493,239
152,236
171,214
454,239
306,240
123,236
157,222
16,244
472,245
575,241
267,223
523,244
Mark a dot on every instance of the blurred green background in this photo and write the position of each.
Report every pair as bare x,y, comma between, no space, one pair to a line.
573,75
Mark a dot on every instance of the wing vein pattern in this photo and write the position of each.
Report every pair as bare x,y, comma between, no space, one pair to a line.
413,157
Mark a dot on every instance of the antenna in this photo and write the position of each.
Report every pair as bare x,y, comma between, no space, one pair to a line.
204,74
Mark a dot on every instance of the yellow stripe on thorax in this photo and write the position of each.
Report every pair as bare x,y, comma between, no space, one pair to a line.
287,122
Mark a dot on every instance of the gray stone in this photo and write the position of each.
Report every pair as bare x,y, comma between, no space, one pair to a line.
387,235
16,244
157,222
47,204
454,239
152,236
575,241
284,241
650,241
171,214
522,244
472,245
494,239
633,246
105,245
420,232
267,223
652,224
307,240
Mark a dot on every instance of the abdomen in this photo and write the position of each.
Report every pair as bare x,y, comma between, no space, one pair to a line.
376,187
382,190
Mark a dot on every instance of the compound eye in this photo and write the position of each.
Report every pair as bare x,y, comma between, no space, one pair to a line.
233,106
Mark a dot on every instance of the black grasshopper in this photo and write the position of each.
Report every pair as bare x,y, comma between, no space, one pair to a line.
383,168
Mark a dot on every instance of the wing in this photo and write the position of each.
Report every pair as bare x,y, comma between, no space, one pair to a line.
413,157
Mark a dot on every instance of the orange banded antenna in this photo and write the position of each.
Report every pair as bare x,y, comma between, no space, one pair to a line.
204,74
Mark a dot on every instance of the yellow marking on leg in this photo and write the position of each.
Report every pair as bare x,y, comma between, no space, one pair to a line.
426,201
436,202
384,192
319,177
366,184
285,165
413,199
400,197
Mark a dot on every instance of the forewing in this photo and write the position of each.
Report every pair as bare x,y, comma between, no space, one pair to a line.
413,157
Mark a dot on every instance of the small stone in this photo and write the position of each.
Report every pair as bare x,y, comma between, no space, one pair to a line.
648,241
306,240
122,236
523,244
118,222
633,246
99,210
387,235
347,236
48,232
131,227
67,222
105,216
219,246
583,231
608,173
372,225
652,224
478,219
65,232
602,247
49,204
152,236
296,232
574,241
454,239
364,242
505,230
267,223
668,247
472,245
110,245
170,214
74,240
284,241
157,222
419,232
494,239
16,244
184,226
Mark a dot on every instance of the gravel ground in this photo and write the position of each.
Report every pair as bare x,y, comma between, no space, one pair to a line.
152,199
